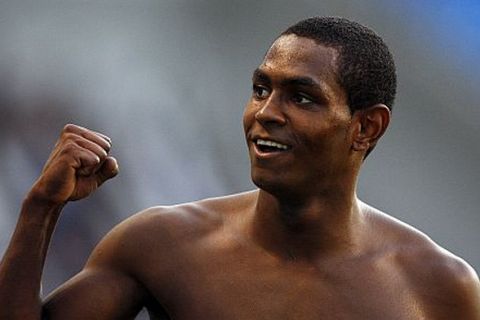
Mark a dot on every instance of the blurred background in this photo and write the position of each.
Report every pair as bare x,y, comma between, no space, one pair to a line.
168,80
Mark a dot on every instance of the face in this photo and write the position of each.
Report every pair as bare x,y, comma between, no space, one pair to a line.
297,121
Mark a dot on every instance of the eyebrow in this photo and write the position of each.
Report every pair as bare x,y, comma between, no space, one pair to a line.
259,75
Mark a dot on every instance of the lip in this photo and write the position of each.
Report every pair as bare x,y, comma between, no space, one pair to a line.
254,139
271,154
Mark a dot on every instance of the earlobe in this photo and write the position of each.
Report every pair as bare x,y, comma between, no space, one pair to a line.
369,126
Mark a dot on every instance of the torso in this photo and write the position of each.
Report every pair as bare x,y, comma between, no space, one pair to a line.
215,272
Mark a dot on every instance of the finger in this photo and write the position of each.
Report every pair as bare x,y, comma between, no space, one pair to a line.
86,162
104,136
96,137
96,149
108,170
66,148
92,146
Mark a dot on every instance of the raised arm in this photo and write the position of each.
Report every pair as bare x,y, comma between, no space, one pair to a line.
77,166
106,287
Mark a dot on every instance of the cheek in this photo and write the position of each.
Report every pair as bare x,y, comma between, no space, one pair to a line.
323,138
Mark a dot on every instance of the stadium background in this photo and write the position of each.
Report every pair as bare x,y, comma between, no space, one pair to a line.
168,80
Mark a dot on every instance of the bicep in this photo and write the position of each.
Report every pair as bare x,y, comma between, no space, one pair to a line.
106,288
95,293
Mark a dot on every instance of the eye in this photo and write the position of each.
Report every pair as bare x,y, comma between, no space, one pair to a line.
301,98
260,92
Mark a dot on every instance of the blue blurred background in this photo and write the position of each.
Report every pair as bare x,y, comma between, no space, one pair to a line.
168,80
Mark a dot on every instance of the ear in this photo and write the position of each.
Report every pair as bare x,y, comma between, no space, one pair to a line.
369,125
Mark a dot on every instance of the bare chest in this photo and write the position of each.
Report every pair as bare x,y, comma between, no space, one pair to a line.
245,284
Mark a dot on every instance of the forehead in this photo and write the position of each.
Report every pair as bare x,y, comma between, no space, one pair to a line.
294,56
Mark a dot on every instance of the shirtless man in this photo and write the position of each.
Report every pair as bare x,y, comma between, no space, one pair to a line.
302,246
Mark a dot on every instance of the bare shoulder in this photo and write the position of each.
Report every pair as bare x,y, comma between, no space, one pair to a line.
133,264
194,217
165,228
445,283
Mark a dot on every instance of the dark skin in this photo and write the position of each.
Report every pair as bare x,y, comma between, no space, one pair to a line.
302,246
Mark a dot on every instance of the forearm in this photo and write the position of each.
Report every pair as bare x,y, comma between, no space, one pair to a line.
22,265
77,166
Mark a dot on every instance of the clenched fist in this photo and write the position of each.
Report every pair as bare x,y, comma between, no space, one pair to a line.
77,166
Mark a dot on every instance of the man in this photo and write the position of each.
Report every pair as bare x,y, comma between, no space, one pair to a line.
302,246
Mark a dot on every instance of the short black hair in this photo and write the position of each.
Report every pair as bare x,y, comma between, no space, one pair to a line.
366,69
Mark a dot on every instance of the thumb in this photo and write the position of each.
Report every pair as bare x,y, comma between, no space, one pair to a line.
108,170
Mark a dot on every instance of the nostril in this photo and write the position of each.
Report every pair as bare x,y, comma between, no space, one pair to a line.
270,114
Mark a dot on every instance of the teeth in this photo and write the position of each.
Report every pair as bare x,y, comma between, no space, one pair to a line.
270,143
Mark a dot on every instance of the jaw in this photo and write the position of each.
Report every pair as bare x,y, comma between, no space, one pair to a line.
277,176
286,176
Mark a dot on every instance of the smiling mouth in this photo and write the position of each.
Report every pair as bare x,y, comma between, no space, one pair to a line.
267,146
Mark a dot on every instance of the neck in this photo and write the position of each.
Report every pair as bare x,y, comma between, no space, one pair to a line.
308,228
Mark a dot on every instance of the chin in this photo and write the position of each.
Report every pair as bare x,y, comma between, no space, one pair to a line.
274,186
262,182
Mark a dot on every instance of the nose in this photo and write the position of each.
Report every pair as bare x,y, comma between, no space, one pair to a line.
271,112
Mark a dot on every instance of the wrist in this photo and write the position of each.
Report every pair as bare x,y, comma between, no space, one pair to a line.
43,196
39,206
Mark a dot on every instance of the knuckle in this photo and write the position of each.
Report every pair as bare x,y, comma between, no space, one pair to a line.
69,137
69,147
69,127
69,140
66,135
